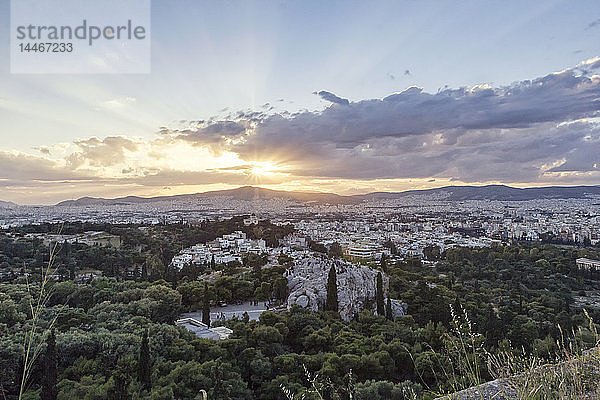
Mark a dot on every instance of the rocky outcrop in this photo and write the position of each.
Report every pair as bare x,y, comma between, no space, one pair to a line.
399,308
307,281
499,389
577,378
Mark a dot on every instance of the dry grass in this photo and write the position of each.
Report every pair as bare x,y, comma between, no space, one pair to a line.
33,341
575,374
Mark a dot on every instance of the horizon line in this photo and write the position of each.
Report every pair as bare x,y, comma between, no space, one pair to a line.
300,191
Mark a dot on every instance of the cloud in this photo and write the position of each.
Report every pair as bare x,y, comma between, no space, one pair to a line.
328,96
43,149
543,130
118,104
216,131
169,177
18,167
479,133
593,24
101,152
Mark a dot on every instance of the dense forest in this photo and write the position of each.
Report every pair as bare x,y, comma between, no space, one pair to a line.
113,337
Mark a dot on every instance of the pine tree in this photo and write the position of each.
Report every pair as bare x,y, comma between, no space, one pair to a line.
379,295
206,307
143,370
49,389
331,303
388,309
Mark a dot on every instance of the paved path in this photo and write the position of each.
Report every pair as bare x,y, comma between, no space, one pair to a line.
230,311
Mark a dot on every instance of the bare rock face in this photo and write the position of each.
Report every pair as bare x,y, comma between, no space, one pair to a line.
307,281
399,308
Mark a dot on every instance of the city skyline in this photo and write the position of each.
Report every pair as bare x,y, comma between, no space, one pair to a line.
341,98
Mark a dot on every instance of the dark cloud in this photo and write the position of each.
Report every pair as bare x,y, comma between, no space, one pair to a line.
213,134
482,133
328,96
593,24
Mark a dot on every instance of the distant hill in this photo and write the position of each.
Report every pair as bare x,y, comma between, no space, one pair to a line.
256,193
5,204
451,193
496,192
94,201
249,193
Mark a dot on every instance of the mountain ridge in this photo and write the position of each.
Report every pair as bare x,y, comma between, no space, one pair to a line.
7,203
451,193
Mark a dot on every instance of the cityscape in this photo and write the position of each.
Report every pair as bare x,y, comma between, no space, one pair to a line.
299,200
248,254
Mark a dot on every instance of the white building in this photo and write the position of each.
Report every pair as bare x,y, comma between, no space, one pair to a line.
225,249
360,252
203,331
586,263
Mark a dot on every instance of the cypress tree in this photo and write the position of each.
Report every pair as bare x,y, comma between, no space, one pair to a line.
213,264
144,272
143,370
119,390
71,270
206,307
388,309
331,303
49,389
457,307
384,263
379,295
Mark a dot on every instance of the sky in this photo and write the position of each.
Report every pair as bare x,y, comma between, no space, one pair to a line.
338,96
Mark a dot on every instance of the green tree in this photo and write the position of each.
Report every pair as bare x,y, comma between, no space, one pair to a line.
280,288
379,295
206,307
388,309
317,247
263,292
143,369
383,263
432,253
72,269
390,245
335,250
155,267
49,389
331,303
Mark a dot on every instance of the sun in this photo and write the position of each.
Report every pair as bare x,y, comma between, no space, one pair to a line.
265,168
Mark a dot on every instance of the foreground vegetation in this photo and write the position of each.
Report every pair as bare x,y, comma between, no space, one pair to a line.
472,312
